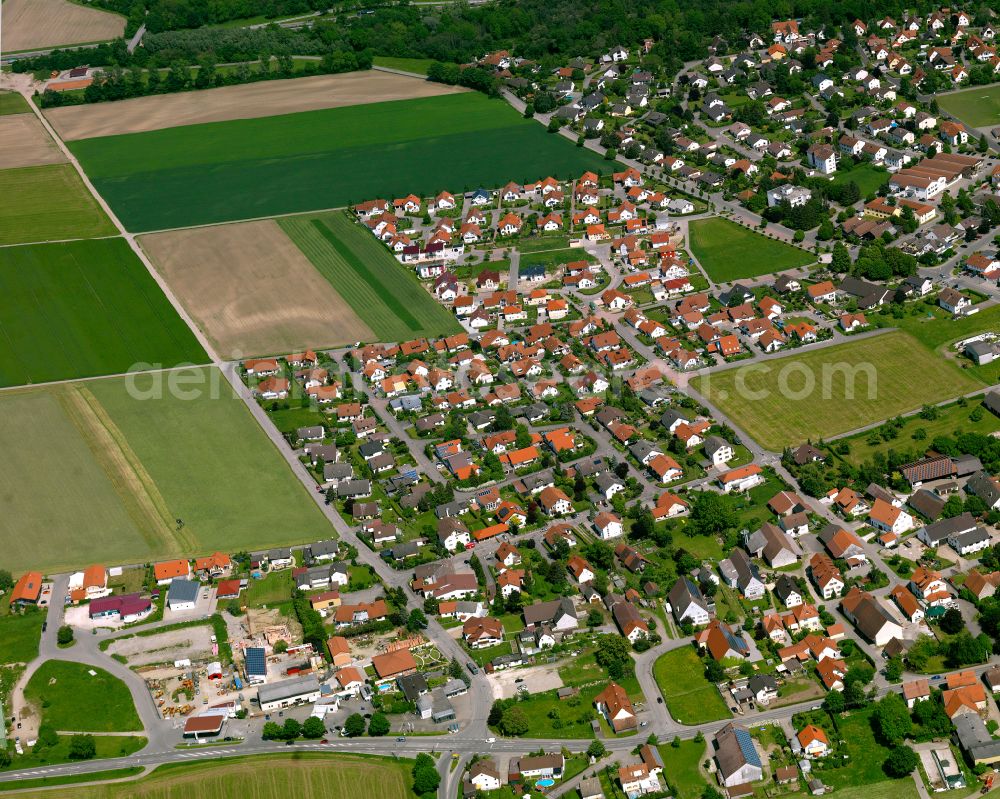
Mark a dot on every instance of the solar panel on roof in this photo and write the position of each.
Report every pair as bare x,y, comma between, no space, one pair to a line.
255,661
747,748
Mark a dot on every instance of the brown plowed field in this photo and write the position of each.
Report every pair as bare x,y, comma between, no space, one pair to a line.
49,23
26,143
252,291
248,101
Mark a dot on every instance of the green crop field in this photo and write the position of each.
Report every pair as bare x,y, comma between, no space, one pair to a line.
84,308
302,774
690,698
72,699
729,252
978,107
784,401
12,103
213,465
85,499
119,469
386,295
324,159
52,204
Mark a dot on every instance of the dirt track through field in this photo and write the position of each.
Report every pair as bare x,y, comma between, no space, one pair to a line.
252,291
49,23
249,101
135,486
25,143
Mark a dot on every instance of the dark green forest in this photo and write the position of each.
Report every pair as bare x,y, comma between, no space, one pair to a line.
548,31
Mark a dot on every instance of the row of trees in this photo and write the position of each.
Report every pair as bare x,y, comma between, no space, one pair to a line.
314,728
116,83
166,15
478,78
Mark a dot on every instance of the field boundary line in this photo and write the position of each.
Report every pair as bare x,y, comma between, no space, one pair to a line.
403,72
129,238
90,378
275,217
140,496
59,241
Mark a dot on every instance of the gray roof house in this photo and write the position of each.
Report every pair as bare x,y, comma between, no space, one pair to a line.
746,574
975,739
773,545
939,532
737,757
788,591
986,487
689,604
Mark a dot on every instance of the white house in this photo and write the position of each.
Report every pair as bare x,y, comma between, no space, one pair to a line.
485,776
742,479
888,518
608,525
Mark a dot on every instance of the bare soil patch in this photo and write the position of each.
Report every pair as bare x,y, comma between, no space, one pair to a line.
26,143
49,23
252,291
249,101
536,679
191,642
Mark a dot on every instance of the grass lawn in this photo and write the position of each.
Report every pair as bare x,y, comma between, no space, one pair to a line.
690,698
703,547
865,753
361,578
20,633
951,420
544,241
84,308
52,204
72,779
572,717
935,329
887,789
866,175
682,768
274,588
727,251
785,401
386,295
105,745
978,107
129,467
74,700
305,774
323,159
485,655
13,103
418,65
553,258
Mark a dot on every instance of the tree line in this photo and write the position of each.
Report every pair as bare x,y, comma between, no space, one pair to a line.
116,83
167,15
222,46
